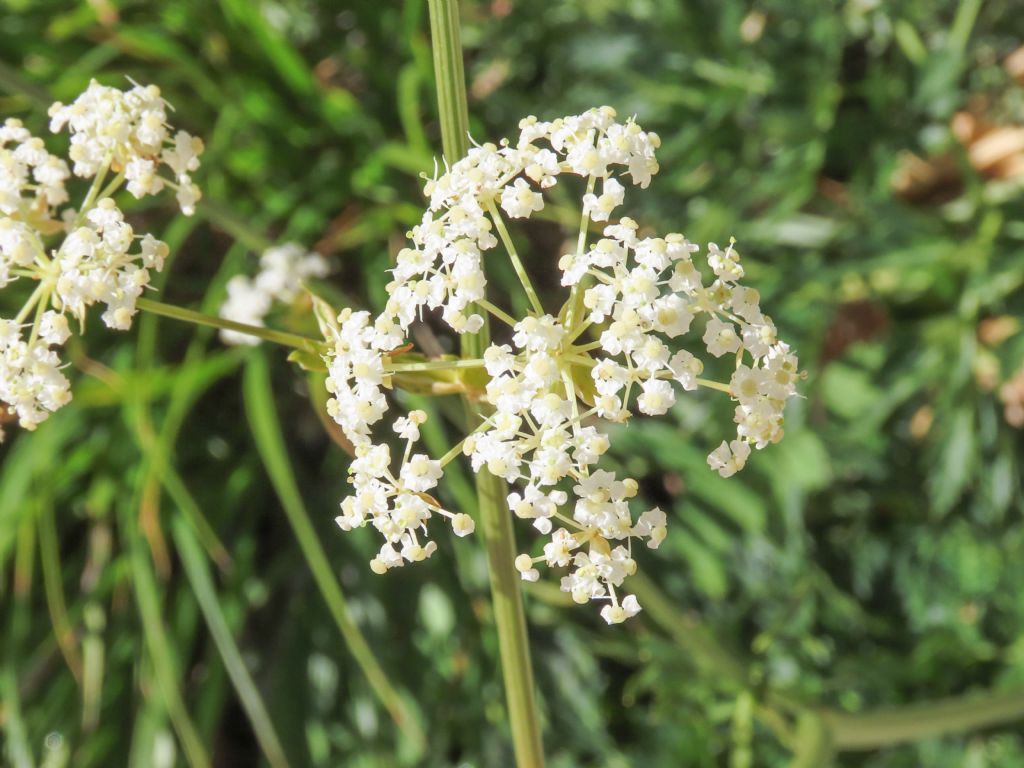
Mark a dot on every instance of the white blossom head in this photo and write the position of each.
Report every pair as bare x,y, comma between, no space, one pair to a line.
127,132
283,271
641,318
64,260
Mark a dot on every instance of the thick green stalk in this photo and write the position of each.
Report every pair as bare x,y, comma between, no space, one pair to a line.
450,78
510,620
495,518
887,727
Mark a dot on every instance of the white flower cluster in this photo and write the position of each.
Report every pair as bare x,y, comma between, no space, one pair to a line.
94,266
283,269
444,268
100,260
356,374
127,132
605,354
31,179
397,505
648,290
31,383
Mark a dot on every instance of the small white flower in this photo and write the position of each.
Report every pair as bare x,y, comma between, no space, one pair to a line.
463,524
729,458
519,201
420,473
657,397
600,208
725,264
721,337
627,609
408,427
685,369
54,329
524,564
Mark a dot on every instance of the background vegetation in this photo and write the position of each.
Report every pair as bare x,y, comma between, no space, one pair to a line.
172,587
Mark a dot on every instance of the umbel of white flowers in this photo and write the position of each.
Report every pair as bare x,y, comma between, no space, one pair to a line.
604,354
283,269
77,258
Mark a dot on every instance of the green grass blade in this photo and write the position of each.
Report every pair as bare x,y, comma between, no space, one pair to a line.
148,598
202,586
49,560
266,430
17,747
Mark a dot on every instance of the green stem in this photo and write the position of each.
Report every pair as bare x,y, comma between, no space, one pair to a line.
496,520
434,365
112,187
714,385
91,195
191,316
49,560
40,309
513,255
456,449
498,312
31,303
450,78
18,749
897,725
161,654
510,620
194,565
574,302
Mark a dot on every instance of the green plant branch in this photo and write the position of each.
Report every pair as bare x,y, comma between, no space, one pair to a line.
18,748
157,463
449,78
513,255
433,365
889,726
49,561
293,340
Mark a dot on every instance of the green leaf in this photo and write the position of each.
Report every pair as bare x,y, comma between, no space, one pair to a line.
955,467
307,361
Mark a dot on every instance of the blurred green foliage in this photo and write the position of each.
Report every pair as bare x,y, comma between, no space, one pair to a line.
158,605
